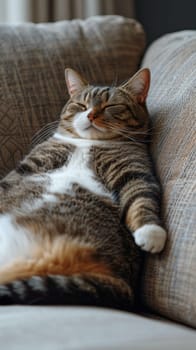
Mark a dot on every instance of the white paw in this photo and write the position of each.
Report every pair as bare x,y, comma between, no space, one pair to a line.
150,238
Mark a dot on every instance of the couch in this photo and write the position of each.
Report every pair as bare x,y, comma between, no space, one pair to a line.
32,90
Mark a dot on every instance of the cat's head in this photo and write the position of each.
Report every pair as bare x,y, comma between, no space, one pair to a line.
102,113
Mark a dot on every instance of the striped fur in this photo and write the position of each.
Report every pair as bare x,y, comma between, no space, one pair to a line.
72,211
66,290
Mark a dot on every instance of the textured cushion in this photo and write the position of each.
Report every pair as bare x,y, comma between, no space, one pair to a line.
169,281
76,328
32,61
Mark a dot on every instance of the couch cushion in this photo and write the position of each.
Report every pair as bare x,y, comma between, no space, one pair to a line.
32,61
80,328
169,281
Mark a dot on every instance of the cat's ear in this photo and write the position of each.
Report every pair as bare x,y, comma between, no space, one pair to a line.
74,81
138,85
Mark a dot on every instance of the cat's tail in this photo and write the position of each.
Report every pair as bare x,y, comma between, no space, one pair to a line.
94,290
64,273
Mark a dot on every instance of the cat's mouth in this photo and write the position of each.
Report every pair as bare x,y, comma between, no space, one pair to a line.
90,129
94,126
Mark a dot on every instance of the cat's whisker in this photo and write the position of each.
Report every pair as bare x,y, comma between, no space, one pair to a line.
42,138
53,122
120,130
125,133
46,128
45,132
146,132
43,135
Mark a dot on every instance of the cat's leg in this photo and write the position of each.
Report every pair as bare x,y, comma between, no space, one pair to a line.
149,237
18,184
142,218
46,156
132,180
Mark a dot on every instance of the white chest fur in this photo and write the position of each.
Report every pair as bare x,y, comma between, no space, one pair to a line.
77,170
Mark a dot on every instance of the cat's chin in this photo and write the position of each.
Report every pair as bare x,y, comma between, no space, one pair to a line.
93,134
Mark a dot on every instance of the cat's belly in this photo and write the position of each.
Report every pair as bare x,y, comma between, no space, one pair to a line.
15,240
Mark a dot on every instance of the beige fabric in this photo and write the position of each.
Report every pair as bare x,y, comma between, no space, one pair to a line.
32,61
74,328
169,282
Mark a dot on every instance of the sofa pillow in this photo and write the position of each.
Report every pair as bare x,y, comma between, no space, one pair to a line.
104,49
169,281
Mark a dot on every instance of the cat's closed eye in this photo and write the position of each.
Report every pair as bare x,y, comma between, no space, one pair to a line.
115,108
82,106
75,107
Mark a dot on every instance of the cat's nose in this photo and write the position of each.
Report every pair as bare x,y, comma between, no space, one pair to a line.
91,116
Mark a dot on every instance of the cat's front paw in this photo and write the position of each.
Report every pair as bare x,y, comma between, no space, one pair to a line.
150,238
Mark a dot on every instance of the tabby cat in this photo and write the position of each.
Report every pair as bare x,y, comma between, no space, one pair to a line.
78,208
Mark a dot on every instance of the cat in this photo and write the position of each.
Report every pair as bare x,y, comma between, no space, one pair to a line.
79,209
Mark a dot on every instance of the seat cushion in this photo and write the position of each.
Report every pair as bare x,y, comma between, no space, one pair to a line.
169,281
75,328
33,57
